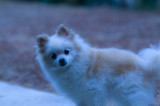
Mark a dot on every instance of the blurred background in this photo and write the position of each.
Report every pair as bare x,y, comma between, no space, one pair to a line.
125,24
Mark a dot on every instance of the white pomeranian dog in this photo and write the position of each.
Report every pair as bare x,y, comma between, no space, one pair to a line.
93,77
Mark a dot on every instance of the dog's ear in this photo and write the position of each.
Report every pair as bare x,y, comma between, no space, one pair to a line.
64,31
42,41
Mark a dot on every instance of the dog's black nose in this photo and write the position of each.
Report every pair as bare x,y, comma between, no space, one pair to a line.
62,62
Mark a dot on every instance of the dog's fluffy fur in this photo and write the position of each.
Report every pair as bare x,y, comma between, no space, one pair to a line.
92,76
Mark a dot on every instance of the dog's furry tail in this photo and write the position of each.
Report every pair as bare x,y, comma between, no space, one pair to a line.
151,57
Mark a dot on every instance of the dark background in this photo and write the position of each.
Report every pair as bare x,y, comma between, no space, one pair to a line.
134,4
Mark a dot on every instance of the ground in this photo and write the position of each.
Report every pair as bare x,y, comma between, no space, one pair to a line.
101,26
29,97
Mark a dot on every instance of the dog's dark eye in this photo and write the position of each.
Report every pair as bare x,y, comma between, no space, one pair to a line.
54,56
66,52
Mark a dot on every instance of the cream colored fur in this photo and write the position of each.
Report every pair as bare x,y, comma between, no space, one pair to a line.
94,77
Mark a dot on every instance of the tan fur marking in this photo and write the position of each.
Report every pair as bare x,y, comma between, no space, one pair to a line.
93,66
124,65
90,66
97,61
125,68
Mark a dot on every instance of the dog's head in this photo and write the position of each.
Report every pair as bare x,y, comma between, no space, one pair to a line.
59,49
